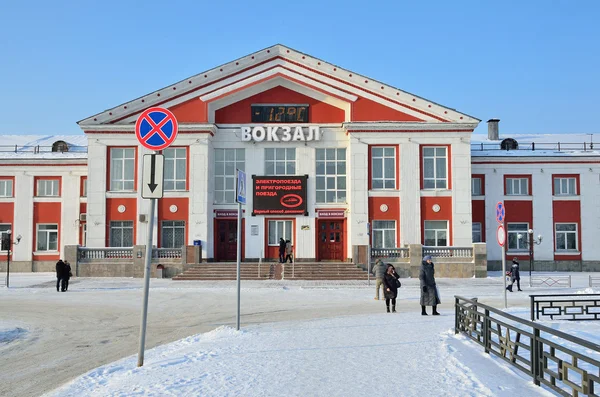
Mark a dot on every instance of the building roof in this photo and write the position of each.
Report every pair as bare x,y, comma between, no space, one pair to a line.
536,145
40,147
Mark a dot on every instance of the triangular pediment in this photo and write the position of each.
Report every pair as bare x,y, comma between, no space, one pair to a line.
199,99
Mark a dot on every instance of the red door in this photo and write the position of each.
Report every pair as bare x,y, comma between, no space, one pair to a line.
331,240
226,240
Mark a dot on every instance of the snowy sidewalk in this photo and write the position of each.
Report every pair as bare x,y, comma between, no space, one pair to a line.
402,354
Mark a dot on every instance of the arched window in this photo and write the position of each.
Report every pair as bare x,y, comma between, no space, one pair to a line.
509,144
60,146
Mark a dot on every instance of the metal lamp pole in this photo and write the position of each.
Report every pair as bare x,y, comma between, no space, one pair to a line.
8,248
530,253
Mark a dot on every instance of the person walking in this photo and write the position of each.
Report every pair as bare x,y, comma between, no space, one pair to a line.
429,292
515,275
281,250
391,284
66,277
379,270
60,273
288,251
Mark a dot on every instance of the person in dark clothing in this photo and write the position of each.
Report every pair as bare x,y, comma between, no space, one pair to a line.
429,293
281,249
288,251
67,275
60,273
390,287
379,270
515,275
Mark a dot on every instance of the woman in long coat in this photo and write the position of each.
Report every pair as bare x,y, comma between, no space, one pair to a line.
429,293
390,287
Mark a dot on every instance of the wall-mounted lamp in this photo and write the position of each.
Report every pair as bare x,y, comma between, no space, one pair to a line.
542,170
494,170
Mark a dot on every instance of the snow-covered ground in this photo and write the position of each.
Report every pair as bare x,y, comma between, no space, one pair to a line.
297,338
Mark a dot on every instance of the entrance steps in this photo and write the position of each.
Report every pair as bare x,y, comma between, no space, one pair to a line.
272,270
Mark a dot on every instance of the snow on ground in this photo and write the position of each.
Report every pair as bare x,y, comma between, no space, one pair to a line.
297,338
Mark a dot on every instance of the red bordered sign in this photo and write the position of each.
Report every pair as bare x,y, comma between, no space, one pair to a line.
156,128
501,236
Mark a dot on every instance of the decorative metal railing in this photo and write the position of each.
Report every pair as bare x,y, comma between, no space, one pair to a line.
449,252
550,281
594,281
390,253
564,363
167,253
566,306
532,146
86,253
42,149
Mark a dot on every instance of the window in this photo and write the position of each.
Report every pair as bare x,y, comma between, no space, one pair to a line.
565,187
173,234
476,186
517,236
279,229
226,162
517,186
84,239
47,238
434,168
47,188
280,161
476,232
383,167
566,236
122,169
3,229
6,188
175,168
121,234
436,233
331,175
84,187
384,234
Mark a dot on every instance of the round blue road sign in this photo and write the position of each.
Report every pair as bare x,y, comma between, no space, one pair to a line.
156,128
500,212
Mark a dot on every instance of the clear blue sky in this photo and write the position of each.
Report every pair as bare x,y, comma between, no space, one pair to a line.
535,64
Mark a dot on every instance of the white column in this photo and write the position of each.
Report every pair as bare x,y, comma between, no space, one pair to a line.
305,239
69,233
357,158
542,212
410,198
590,214
23,217
494,192
96,200
462,215
201,196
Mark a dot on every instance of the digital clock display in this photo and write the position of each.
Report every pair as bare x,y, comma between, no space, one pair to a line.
280,113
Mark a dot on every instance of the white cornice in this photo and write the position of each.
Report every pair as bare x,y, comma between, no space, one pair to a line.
130,128
408,126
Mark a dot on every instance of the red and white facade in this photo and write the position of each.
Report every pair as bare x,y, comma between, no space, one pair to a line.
374,155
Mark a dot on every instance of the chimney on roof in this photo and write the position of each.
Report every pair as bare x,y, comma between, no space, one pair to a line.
493,132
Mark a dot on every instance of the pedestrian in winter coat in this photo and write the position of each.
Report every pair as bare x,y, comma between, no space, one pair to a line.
515,275
281,249
391,284
60,273
379,270
429,293
66,277
288,251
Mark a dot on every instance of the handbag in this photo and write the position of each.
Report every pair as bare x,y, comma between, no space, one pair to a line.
398,283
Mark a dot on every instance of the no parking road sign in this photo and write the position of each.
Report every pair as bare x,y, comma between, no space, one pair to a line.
156,128
501,236
500,212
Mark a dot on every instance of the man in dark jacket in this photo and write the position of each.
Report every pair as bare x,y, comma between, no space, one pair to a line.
429,293
66,277
60,273
281,249
379,270
515,275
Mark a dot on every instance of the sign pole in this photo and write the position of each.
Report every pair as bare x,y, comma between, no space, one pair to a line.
369,256
147,272
239,260
504,272
501,238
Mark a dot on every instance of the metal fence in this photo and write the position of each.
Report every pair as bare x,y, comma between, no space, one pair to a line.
594,281
449,252
550,281
566,364
532,146
85,253
390,253
42,149
566,306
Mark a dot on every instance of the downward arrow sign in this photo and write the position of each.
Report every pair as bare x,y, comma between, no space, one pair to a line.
152,185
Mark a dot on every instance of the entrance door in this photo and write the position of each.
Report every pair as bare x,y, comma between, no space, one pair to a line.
226,240
331,240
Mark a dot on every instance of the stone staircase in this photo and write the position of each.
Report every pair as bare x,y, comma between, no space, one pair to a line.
274,270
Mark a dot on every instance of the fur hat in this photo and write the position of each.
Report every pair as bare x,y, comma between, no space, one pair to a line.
427,258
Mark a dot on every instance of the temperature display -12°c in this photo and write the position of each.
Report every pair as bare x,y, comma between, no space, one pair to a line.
280,113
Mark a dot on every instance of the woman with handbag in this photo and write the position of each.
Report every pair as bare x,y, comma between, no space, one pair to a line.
429,292
391,284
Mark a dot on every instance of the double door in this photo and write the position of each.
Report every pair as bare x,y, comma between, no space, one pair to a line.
331,240
226,240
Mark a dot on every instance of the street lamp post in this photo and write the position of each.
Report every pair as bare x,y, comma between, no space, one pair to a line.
530,243
7,245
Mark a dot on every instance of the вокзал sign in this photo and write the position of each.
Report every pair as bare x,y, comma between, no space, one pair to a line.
279,195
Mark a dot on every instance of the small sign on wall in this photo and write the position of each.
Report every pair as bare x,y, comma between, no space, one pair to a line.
305,227
254,230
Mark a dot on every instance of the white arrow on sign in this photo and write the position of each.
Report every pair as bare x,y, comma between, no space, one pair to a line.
152,176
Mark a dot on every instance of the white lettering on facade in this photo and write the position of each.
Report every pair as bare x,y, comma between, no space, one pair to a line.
274,134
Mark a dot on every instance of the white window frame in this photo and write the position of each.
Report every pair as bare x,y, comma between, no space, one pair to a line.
174,181
4,227
285,157
563,182
436,158
226,162
46,233
474,191
285,232
84,188
517,182
331,187
122,183
387,182
122,226
566,233
476,225
382,232
524,247
44,185
437,232
84,231
6,188
173,225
